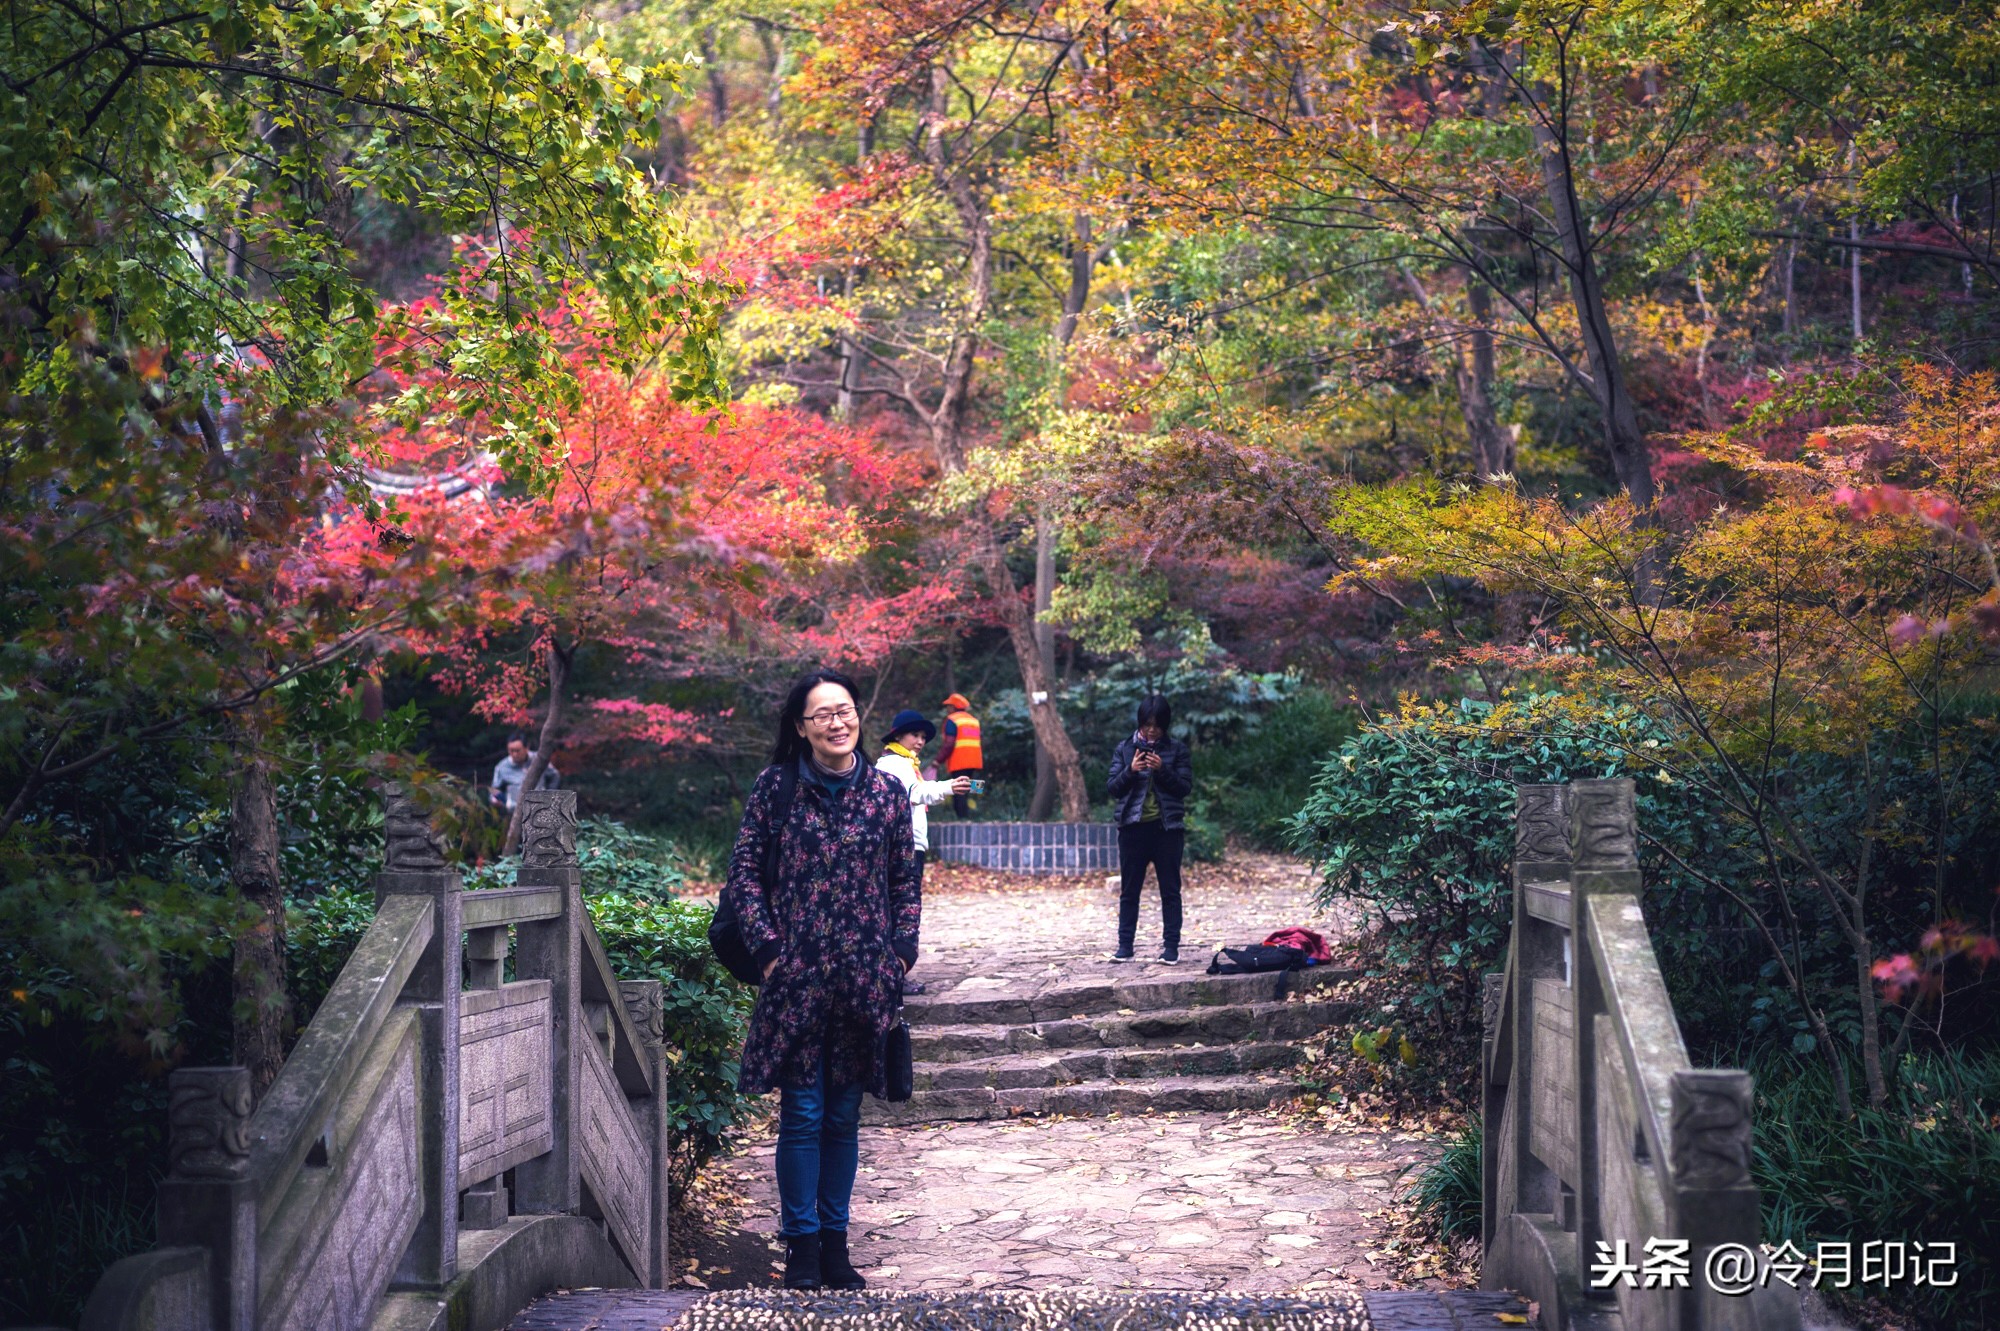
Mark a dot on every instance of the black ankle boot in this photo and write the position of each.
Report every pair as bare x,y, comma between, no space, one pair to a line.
802,1260
834,1268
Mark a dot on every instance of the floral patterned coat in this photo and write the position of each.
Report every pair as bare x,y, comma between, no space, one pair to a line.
845,905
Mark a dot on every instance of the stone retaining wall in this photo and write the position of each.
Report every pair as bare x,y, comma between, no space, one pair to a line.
1027,847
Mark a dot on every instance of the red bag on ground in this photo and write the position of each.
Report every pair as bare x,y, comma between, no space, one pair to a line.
1305,940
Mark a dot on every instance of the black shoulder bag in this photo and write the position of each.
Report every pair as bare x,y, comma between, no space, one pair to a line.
1255,959
898,1067
897,1064
725,931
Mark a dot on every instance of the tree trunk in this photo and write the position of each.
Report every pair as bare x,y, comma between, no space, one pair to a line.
1864,960
1854,277
261,1015
1623,440
718,89
850,347
947,421
1046,787
672,153
1050,735
1492,446
1082,268
947,426
1791,316
1497,456
1854,258
552,728
773,42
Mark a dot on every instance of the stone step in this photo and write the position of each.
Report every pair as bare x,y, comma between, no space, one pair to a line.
1085,1099
1016,1071
1000,1001
1168,1027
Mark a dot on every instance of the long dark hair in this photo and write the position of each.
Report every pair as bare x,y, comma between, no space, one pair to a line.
791,745
1154,707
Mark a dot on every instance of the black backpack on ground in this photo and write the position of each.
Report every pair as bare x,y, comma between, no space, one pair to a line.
1254,958
725,931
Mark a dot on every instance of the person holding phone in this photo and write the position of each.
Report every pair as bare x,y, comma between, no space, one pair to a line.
834,932
1151,776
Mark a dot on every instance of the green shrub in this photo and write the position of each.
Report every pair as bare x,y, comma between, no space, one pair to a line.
613,857
705,1012
1257,781
1925,1168
320,933
1448,1190
1413,821
1204,840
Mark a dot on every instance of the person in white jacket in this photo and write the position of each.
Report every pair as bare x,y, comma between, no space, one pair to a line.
902,755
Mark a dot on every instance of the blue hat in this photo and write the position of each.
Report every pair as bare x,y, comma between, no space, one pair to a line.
907,720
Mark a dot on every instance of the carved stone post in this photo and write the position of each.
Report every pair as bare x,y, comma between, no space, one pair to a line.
1492,1100
645,1004
207,1199
552,950
414,865
1541,877
1604,861
1712,1199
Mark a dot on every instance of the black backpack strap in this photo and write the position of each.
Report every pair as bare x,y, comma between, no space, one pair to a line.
781,809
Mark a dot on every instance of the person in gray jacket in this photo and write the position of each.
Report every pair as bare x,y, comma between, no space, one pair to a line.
1151,776
510,772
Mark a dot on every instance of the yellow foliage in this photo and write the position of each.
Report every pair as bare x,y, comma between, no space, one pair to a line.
1804,622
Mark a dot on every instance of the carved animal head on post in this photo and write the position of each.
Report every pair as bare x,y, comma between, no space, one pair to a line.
1492,996
411,844
645,1004
208,1122
1711,1128
1603,826
1541,824
548,829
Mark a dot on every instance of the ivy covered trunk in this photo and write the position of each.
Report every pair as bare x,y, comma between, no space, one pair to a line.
261,1011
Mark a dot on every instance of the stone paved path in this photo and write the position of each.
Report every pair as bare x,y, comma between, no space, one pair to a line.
977,920
1190,1202
1140,1221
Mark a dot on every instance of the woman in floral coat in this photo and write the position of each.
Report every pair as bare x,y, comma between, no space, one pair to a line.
833,932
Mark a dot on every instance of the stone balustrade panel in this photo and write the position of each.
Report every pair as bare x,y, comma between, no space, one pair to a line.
617,1162
1552,1090
506,1078
349,1220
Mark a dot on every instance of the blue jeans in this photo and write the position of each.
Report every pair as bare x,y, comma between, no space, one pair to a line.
819,1150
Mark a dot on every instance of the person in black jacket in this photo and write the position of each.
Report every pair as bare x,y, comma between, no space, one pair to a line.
1151,775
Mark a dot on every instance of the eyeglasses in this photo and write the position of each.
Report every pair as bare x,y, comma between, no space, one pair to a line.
828,717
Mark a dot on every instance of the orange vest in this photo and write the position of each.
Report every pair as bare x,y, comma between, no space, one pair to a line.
965,755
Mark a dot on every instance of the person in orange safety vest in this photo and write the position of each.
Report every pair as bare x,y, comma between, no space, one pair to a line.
962,754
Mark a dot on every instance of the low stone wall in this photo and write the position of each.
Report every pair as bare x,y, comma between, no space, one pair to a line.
1027,847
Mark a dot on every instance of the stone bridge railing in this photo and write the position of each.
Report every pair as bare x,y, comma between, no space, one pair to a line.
443,1144
1604,1147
